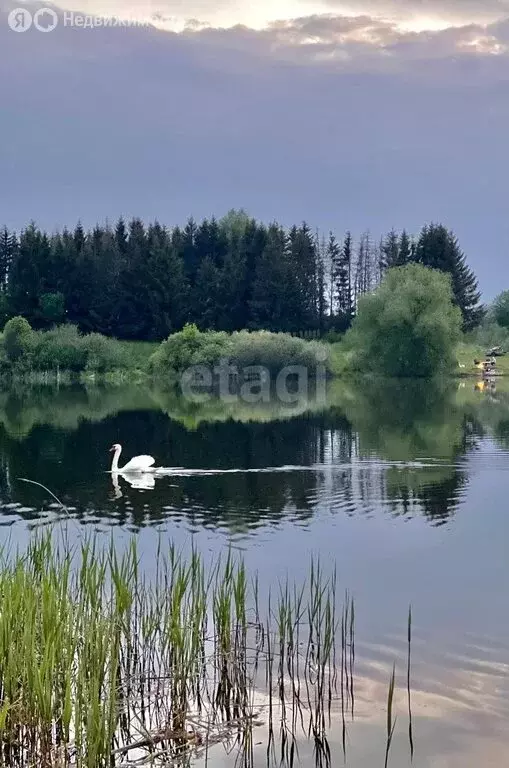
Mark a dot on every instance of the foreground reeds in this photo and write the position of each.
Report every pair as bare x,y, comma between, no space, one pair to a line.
103,665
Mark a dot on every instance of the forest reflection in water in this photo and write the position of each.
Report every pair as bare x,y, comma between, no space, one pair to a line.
400,447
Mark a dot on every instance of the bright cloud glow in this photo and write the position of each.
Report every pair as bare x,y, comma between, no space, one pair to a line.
409,16
177,14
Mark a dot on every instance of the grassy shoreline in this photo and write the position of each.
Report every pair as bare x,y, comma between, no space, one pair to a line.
64,356
468,352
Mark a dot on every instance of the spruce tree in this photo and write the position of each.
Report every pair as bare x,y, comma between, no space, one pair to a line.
27,271
121,236
370,267
438,248
333,256
253,243
86,284
405,255
79,238
345,303
109,264
8,247
321,287
134,318
269,304
390,250
184,243
301,279
206,294
246,241
167,289
358,282
211,240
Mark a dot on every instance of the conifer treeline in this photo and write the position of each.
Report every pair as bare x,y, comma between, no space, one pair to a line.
143,282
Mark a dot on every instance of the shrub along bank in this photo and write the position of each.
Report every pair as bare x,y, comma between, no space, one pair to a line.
64,348
241,350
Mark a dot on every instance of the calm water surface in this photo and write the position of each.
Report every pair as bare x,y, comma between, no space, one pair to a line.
403,486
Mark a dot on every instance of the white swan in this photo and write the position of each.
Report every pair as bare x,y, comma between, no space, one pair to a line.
137,463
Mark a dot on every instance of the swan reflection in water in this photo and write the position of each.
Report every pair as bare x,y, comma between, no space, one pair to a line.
142,481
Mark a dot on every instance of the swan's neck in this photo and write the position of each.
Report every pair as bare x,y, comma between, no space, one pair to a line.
114,463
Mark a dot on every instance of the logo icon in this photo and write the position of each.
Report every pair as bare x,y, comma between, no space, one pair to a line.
19,20
45,20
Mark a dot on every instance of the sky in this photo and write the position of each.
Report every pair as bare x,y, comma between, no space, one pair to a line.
355,114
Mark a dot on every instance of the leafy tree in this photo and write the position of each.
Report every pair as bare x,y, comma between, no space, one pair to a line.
235,223
409,325
501,309
52,306
438,248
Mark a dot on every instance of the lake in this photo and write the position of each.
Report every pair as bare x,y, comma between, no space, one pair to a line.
402,486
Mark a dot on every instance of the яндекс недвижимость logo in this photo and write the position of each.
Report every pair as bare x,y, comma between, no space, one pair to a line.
47,19
21,20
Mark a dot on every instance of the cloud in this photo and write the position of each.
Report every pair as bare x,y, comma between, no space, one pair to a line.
446,11
416,15
364,43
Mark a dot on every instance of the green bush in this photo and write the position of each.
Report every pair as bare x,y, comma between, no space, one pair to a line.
52,308
490,334
61,348
333,337
409,325
103,354
501,309
189,347
17,339
242,349
274,350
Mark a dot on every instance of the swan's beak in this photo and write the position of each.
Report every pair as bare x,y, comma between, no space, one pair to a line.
112,448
